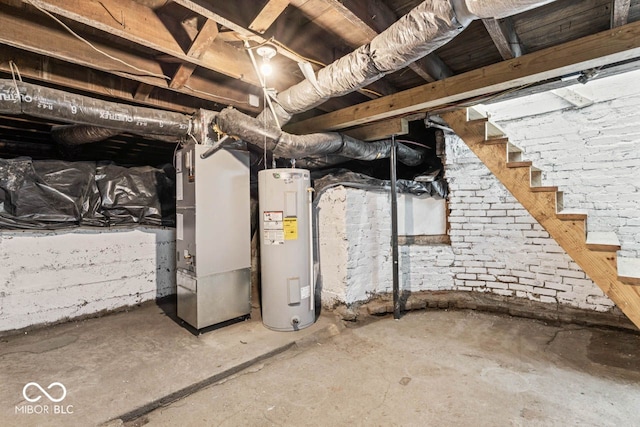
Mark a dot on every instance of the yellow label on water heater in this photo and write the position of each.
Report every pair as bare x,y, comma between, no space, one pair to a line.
290,228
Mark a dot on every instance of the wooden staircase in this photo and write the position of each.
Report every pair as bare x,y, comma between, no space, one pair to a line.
594,252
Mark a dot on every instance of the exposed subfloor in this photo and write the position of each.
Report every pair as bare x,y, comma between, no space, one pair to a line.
428,368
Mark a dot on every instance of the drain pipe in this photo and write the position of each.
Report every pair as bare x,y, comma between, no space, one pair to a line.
394,231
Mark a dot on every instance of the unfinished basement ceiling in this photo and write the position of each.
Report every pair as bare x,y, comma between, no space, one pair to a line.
197,46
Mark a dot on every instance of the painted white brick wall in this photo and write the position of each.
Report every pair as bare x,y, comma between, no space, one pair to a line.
355,253
48,276
593,154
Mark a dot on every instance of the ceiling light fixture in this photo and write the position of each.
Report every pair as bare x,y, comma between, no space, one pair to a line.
267,52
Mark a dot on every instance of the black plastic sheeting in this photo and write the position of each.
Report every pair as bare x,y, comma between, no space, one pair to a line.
50,194
324,180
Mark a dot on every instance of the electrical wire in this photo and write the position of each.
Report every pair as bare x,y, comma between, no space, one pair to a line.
406,141
293,52
141,70
14,70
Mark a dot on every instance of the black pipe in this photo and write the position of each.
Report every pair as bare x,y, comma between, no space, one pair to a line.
394,229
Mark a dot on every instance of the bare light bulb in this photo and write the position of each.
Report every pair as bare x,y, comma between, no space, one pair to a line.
267,52
266,69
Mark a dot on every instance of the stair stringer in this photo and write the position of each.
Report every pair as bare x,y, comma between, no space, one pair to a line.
600,266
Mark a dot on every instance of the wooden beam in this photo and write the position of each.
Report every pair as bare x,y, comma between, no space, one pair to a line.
142,26
20,32
620,12
431,68
377,17
201,43
504,36
593,51
268,15
380,130
142,91
202,8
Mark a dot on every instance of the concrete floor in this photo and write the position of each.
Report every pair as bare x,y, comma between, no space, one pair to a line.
433,368
429,368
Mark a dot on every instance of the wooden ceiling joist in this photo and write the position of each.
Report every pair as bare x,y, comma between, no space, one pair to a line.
365,21
593,51
504,36
268,15
143,27
200,45
620,12
23,34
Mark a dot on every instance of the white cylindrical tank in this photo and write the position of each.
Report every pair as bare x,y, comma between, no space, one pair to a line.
286,251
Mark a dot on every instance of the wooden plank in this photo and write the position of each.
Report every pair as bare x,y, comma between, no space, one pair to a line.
620,13
201,43
570,235
203,8
142,91
370,19
504,37
22,34
593,51
381,130
268,15
142,26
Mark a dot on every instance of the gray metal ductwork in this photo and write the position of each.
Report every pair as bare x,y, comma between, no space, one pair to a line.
323,149
54,104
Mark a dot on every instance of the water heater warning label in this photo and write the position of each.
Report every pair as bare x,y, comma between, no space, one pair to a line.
273,228
290,228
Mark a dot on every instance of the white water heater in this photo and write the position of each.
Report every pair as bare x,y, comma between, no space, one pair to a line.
286,249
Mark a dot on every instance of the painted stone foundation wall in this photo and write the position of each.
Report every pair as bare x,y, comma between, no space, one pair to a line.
48,276
591,153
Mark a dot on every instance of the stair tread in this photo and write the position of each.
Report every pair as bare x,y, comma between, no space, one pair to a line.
525,164
477,112
543,188
602,238
629,268
572,215
497,140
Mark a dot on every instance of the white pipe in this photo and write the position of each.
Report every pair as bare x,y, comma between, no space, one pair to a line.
312,275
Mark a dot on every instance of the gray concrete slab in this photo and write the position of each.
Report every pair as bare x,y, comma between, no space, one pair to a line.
436,368
127,363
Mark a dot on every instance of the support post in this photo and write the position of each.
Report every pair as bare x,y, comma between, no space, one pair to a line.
394,229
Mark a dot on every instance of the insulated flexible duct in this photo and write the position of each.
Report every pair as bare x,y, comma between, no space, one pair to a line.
54,104
81,134
318,149
428,26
